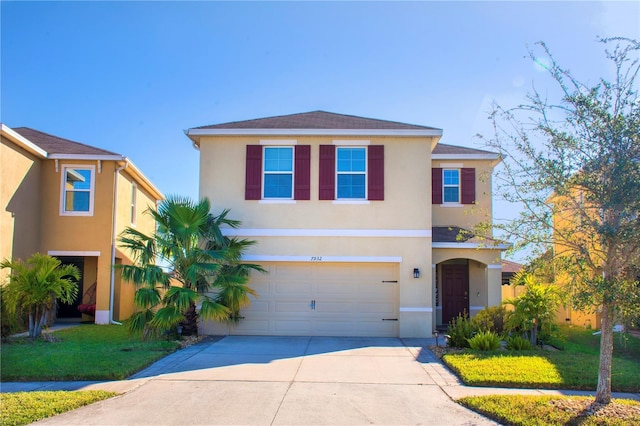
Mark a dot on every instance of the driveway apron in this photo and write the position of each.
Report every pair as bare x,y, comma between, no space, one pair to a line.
248,380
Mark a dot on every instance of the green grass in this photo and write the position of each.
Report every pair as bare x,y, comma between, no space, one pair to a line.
576,367
524,410
87,352
22,408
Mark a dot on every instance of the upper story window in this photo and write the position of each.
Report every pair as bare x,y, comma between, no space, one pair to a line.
134,194
451,185
351,172
78,187
278,172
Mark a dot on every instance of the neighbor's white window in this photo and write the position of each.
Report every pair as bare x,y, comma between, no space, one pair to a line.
78,187
351,173
451,185
134,192
278,172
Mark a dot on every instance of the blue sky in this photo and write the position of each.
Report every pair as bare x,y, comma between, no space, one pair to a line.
130,77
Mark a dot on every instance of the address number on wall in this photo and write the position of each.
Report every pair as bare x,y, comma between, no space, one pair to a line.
316,258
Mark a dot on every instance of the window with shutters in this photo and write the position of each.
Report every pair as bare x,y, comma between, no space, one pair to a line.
278,172
453,186
351,173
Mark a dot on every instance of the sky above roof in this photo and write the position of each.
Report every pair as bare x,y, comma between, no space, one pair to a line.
130,77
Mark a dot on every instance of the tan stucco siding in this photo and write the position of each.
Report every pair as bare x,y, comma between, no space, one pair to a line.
467,216
407,187
20,202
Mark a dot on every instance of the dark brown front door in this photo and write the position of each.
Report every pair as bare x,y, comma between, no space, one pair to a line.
455,289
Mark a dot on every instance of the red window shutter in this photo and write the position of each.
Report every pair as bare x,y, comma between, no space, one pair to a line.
302,177
327,172
375,171
436,185
253,179
468,185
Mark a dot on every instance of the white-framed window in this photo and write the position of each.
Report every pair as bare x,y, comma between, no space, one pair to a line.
278,172
134,195
351,173
77,190
451,185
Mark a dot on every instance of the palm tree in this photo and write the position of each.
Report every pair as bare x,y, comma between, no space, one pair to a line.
35,286
203,276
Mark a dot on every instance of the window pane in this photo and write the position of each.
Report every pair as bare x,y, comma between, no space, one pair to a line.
77,201
451,194
351,186
277,186
278,159
78,179
351,159
451,177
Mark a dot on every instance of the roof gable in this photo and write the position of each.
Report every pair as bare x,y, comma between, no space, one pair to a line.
56,145
317,120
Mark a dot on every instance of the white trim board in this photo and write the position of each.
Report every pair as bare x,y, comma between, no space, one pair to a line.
73,253
415,309
282,232
315,132
322,259
470,246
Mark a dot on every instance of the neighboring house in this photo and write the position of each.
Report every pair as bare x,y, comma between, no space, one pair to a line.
71,200
356,221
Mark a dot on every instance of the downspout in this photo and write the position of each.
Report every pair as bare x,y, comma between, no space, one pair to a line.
114,216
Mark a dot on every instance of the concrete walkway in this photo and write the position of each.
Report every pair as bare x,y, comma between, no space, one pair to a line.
287,380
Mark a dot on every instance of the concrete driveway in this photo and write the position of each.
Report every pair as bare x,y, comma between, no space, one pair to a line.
285,381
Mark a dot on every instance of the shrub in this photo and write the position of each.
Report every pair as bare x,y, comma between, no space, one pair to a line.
459,331
518,343
490,319
10,323
485,341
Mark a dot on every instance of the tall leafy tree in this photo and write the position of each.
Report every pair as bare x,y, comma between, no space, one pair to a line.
36,285
573,164
187,269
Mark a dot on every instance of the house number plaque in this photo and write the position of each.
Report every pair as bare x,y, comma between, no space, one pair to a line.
316,258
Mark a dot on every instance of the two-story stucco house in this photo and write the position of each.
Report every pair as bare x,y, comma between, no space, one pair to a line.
357,222
71,200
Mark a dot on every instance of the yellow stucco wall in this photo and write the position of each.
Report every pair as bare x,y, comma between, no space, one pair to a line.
467,216
20,202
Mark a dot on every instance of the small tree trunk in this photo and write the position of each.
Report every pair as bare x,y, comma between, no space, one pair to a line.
603,392
31,325
190,324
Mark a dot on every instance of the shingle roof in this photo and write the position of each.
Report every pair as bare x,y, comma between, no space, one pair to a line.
511,267
317,120
442,148
450,234
56,145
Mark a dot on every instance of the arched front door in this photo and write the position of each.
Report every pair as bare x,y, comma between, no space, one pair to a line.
455,289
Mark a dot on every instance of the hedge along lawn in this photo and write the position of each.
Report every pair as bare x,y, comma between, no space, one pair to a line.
576,367
22,408
86,352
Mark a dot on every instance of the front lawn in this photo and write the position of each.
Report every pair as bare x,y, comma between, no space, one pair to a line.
22,408
86,352
526,410
575,367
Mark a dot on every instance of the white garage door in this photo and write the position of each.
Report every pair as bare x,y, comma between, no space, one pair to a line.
323,299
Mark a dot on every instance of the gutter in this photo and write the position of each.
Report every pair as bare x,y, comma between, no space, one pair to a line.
112,288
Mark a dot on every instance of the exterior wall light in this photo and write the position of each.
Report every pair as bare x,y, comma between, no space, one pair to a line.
416,273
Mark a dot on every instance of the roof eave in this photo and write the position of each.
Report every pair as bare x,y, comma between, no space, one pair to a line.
23,142
105,157
489,246
193,134
494,157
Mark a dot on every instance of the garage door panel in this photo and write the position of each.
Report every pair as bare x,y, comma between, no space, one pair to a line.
350,300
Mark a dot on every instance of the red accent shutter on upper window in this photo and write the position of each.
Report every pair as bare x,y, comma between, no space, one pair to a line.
375,171
468,185
327,178
253,179
436,185
302,174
